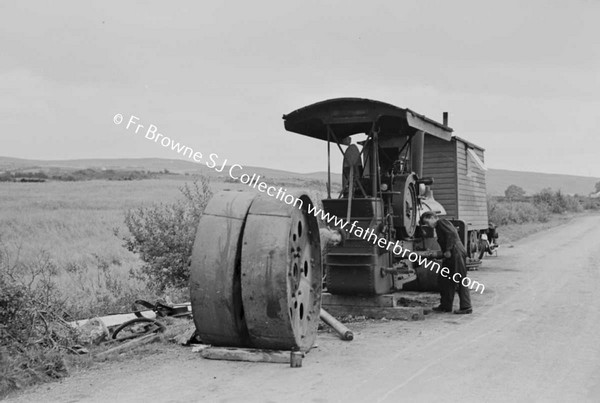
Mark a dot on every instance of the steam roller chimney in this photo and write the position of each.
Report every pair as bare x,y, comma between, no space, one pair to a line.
445,117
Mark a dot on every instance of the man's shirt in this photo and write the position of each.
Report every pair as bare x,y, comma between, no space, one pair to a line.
447,236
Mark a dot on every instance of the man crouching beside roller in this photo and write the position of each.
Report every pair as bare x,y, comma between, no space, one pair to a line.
455,259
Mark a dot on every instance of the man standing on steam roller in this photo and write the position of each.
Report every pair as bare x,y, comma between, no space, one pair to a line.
455,259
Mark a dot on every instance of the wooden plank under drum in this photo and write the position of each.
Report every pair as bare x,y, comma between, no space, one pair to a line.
386,300
245,354
375,312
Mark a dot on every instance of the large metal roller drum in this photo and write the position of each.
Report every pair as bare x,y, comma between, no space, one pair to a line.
215,285
281,274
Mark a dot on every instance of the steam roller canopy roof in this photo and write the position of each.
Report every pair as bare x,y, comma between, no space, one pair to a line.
348,116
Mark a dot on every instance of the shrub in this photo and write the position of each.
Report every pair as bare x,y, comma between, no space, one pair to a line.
34,335
590,204
556,202
163,235
504,213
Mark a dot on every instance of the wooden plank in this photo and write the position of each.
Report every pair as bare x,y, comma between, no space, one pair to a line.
436,168
444,183
479,207
478,194
386,300
473,187
436,163
472,191
480,189
468,180
444,195
466,191
393,313
245,354
474,210
474,203
473,218
447,203
441,176
115,320
473,206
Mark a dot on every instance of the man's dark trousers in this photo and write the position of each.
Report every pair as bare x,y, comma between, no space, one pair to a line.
456,263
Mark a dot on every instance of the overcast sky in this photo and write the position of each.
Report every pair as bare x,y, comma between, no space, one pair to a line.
519,78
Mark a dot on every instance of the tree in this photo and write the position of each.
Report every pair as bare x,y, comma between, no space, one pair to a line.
597,187
514,192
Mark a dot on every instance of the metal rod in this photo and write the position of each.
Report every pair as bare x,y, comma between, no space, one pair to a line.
328,165
374,167
350,193
341,330
335,138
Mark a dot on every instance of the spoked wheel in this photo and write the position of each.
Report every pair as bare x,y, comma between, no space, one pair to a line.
281,274
256,273
474,246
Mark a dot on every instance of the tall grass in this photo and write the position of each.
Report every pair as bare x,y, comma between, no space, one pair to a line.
81,225
74,224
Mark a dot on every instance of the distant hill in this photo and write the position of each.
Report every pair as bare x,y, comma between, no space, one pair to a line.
532,182
150,164
497,179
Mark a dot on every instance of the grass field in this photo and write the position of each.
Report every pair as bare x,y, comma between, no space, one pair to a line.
79,226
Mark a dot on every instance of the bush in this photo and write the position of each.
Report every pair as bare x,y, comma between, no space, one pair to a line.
34,335
163,236
556,202
590,204
504,213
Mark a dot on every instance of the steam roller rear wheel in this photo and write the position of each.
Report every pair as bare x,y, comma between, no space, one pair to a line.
215,286
281,274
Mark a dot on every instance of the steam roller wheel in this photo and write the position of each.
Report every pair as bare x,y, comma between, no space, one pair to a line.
256,272
215,285
281,274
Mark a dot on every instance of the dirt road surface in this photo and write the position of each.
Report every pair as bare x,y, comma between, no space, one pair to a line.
534,336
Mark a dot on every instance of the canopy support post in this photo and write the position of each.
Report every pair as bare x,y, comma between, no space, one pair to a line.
328,165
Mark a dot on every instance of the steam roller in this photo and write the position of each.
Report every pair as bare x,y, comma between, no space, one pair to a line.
256,273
